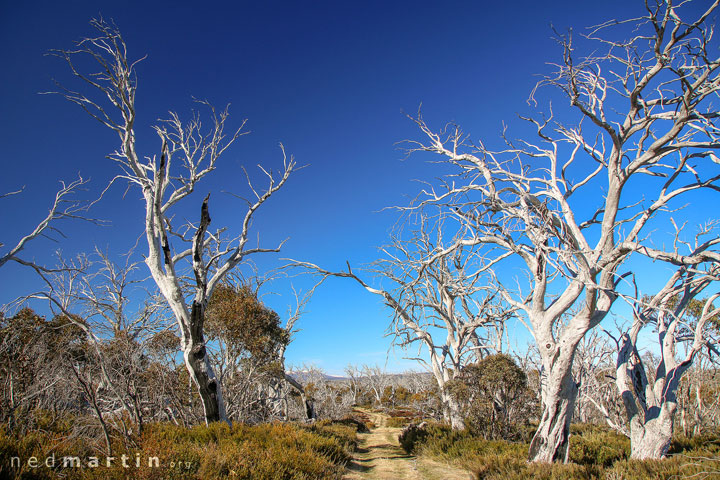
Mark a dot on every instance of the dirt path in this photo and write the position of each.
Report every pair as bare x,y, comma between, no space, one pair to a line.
379,456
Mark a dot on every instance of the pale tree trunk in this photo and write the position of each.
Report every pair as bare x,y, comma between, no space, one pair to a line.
276,399
451,411
551,440
308,404
651,407
651,440
698,410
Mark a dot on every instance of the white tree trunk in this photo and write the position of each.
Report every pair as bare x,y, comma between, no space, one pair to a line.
451,411
551,441
652,440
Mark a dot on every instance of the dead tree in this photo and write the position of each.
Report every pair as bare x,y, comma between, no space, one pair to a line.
185,261
574,203
684,325
441,302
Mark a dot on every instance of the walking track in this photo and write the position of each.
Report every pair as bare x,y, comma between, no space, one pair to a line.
380,457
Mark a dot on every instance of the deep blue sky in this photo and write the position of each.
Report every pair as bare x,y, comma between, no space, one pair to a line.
330,80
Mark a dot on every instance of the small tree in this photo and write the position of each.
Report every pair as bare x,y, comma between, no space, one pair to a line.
35,355
248,338
495,396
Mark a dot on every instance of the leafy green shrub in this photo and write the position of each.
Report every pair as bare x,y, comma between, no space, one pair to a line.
402,413
413,435
440,441
359,425
495,397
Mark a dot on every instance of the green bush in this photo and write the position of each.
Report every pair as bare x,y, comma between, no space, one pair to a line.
414,435
355,422
708,442
598,445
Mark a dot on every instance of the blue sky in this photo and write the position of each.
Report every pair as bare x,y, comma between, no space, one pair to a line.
330,80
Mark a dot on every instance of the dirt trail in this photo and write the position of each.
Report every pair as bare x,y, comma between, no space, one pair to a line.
379,456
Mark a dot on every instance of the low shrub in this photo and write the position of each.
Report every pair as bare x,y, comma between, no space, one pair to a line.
398,421
218,451
598,445
413,435
596,453
356,422
707,442
402,413
678,466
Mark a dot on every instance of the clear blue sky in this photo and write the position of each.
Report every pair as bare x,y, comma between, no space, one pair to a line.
330,80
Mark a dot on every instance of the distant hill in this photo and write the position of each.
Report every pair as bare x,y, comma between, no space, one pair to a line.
305,376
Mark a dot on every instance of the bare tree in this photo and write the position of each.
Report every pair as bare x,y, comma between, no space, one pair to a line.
680,320
441,301
698,401
321,396
91,293
355,381
376,380
279,390
187,272
594,371
573,205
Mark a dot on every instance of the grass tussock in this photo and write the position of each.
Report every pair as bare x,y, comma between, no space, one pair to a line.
260,452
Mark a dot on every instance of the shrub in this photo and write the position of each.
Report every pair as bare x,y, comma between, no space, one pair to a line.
708,442
495,397
261,452
596,453
413,435
398,421
592,444
679,466
359,425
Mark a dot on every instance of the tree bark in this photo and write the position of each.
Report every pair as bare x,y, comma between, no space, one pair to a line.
310,414
551,441
451,411
652,440
200,369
